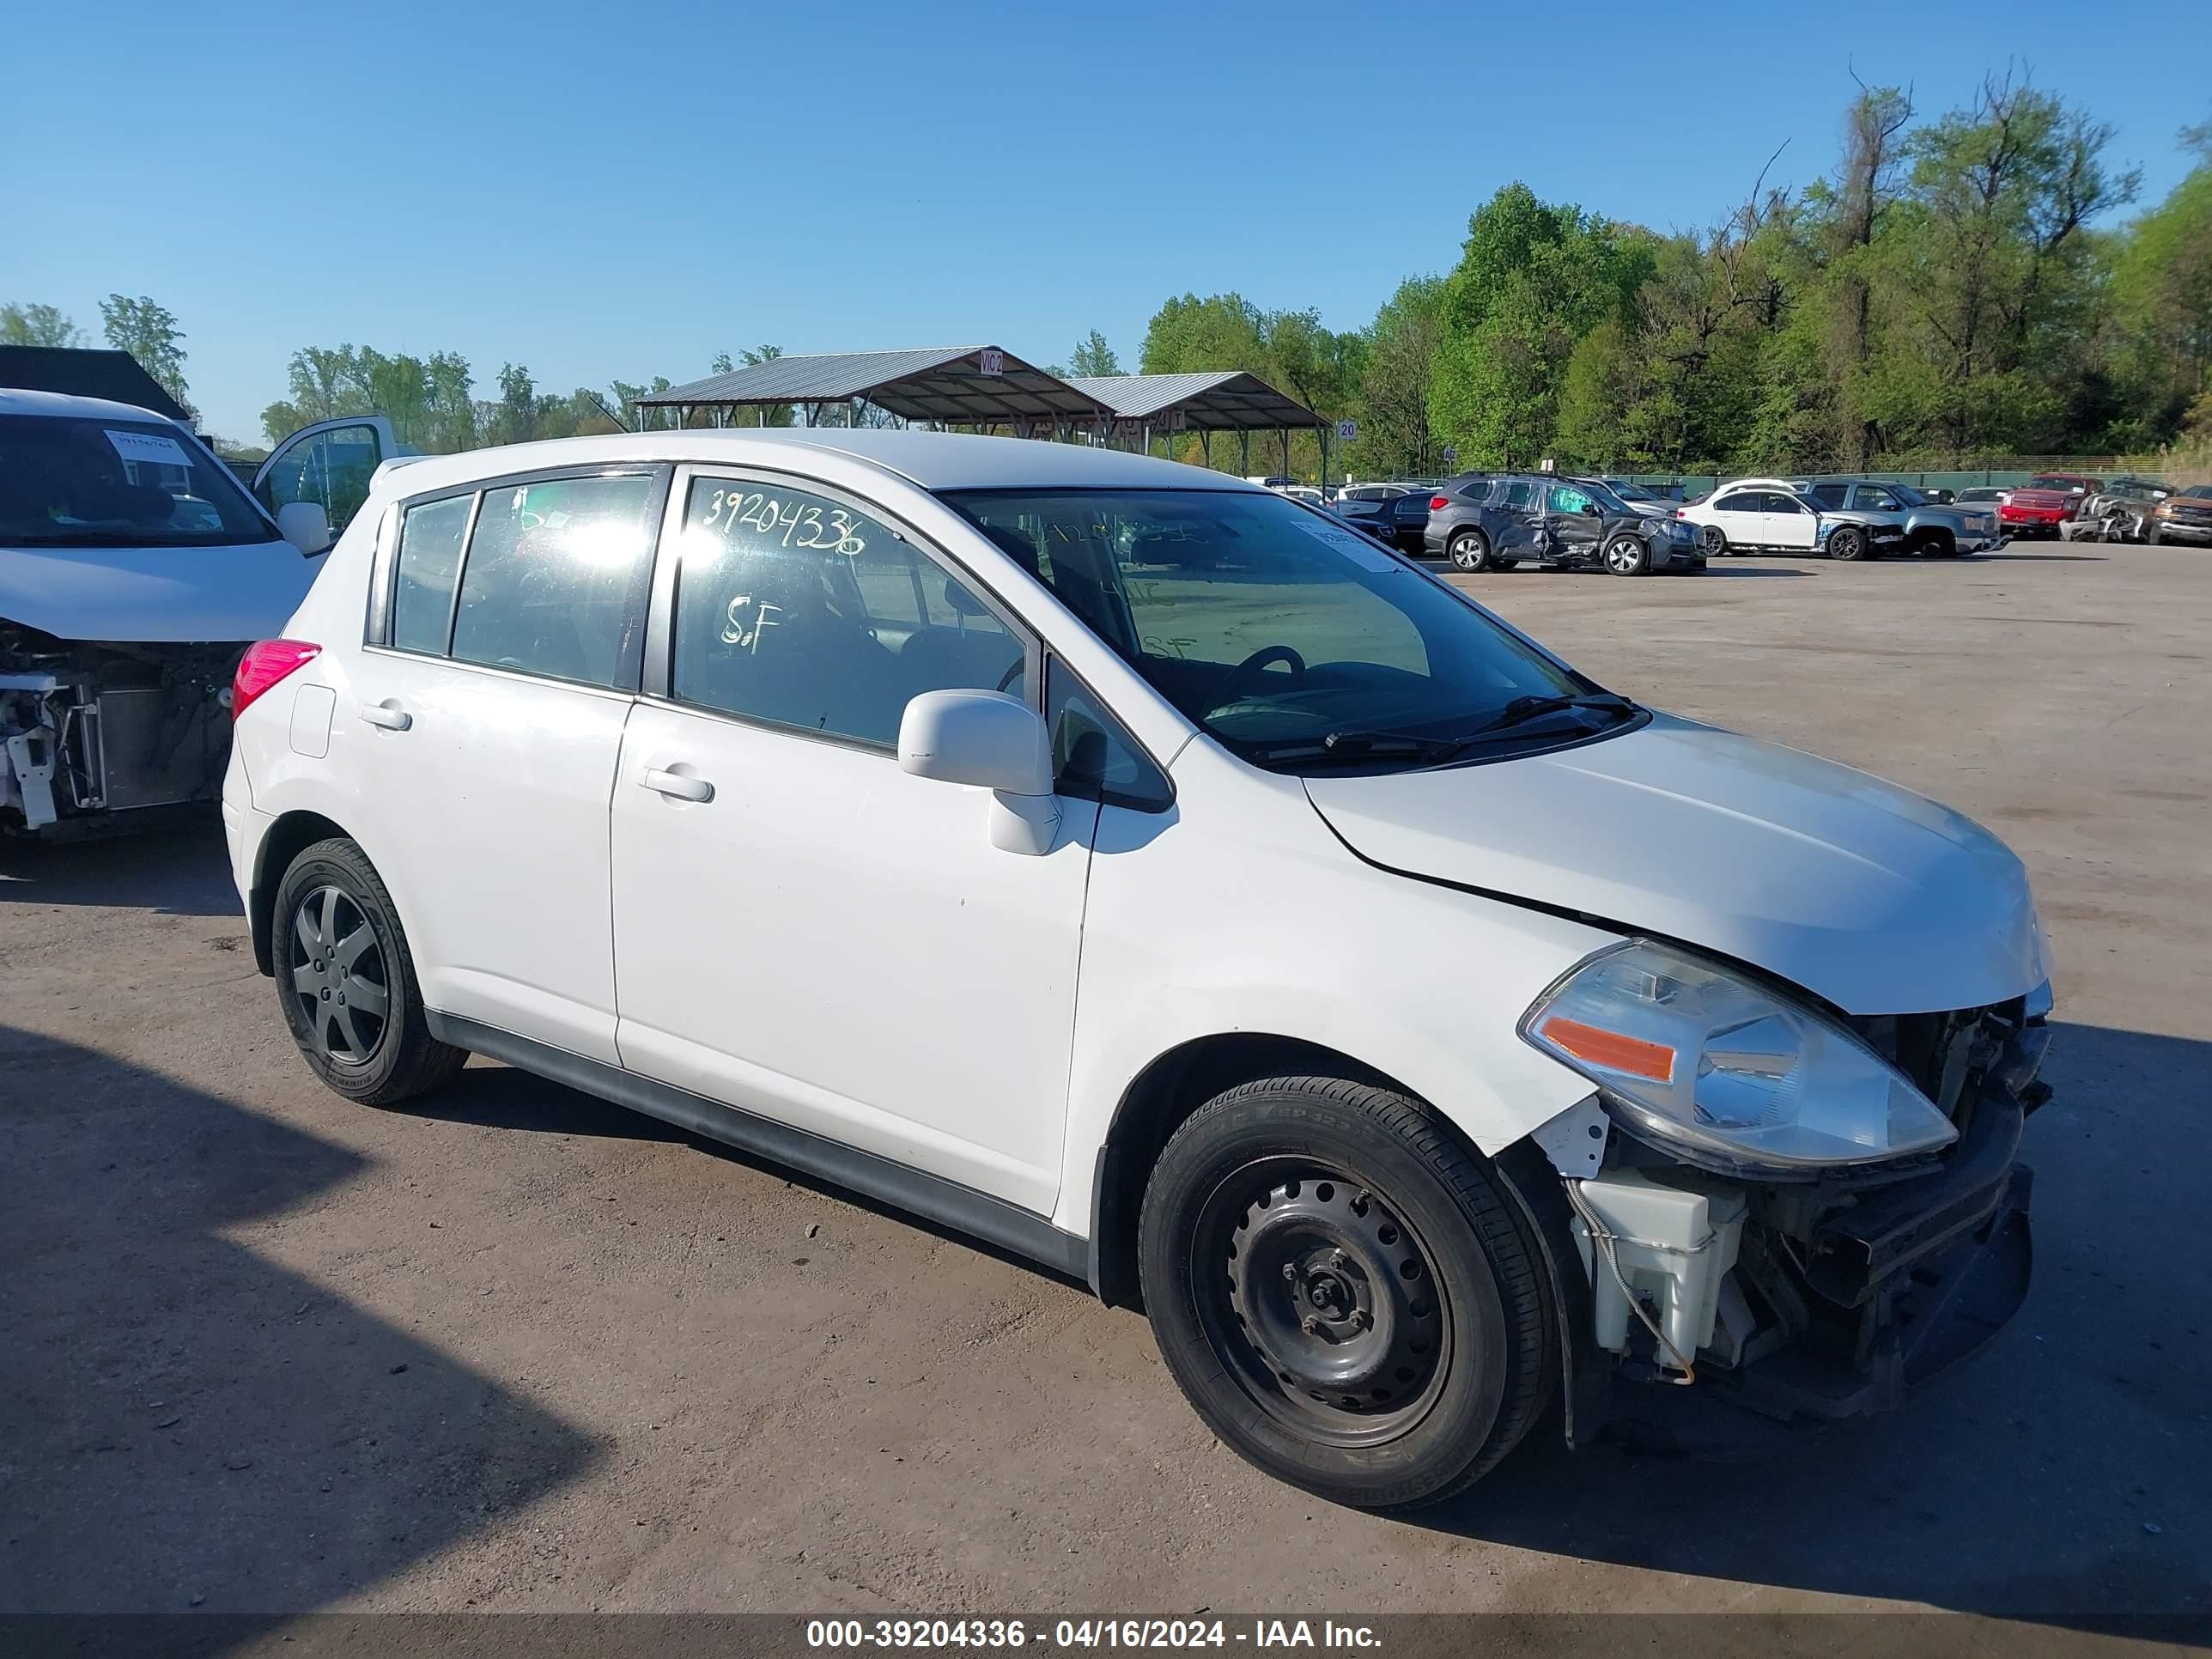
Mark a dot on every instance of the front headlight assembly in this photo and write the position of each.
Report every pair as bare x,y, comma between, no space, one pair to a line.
1717,1070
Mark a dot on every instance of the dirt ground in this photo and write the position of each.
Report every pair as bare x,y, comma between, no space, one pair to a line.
511,1348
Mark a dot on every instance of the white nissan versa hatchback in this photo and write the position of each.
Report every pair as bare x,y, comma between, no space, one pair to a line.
1152,876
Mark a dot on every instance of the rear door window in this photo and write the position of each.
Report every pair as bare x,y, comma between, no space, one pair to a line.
556,578
1826,495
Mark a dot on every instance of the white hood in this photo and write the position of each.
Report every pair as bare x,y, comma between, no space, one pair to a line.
1878,899
149,594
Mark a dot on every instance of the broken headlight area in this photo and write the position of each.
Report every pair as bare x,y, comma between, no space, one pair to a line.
1811,1300
92,728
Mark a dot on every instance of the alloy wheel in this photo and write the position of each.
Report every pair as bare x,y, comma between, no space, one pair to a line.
1625,557
339,977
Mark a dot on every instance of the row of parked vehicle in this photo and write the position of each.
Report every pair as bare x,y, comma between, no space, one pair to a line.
1497,520
2125,509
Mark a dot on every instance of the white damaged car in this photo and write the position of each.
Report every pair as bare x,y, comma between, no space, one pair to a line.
1152,876
133,570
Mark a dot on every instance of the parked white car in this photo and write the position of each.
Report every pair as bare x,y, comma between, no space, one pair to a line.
1153,877
1773,515
133,570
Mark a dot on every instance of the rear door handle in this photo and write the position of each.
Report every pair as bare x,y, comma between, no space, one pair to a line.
386,715
676,785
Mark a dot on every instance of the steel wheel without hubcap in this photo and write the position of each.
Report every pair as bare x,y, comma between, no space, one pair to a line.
1323,1302
339,977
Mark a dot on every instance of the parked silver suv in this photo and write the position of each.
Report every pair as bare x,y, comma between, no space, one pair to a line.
1931,529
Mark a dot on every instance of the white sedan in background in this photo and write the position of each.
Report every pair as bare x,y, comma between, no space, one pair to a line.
1772,515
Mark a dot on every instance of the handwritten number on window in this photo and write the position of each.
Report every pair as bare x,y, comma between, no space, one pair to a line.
802,525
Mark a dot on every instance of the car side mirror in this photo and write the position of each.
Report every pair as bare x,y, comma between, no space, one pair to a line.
306,525
987,740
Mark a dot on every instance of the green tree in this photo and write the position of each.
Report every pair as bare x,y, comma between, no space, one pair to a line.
1532,280
2161,289
34,324
149,333
1093,356
1392,399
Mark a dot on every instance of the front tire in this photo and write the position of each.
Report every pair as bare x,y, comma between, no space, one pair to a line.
1343,1293
1625,555
1848,544
1469,550
347,980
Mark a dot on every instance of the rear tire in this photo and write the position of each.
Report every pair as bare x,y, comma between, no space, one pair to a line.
1469,550
1716,541
1342,1290
346,980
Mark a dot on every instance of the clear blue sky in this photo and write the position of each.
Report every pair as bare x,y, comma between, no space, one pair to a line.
601,191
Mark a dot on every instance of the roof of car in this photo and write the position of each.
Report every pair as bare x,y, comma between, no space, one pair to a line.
933,460
63,404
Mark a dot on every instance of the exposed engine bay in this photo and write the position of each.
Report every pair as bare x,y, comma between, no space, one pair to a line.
94,730
1824,1298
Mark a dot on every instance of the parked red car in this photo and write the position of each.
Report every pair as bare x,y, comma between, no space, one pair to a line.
2045,502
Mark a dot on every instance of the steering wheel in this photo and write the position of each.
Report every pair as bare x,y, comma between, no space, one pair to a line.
1252,665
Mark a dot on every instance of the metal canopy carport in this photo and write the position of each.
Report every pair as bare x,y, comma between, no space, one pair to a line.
1224,400
955,385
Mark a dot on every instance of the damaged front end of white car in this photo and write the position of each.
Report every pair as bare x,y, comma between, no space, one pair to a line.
1776,1205
134,571
95,729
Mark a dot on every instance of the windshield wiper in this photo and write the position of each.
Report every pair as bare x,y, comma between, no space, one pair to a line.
1358,748
1521,710
1354,748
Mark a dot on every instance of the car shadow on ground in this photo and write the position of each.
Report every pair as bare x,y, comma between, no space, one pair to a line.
2064,1476
177,869
189,1423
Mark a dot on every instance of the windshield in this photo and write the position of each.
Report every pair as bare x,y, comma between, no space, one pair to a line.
71,483
1288,637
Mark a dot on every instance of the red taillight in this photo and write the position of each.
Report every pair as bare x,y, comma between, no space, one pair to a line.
1680,514
266,662
1438,503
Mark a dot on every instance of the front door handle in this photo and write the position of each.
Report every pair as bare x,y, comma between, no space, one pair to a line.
388,715
676,785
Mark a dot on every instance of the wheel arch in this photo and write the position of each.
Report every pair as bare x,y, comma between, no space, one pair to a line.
292,834
1169,1089
1184,1078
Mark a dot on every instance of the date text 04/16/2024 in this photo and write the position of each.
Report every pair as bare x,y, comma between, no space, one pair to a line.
1086,1633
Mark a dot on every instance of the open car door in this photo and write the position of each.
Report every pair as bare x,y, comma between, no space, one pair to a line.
330,464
